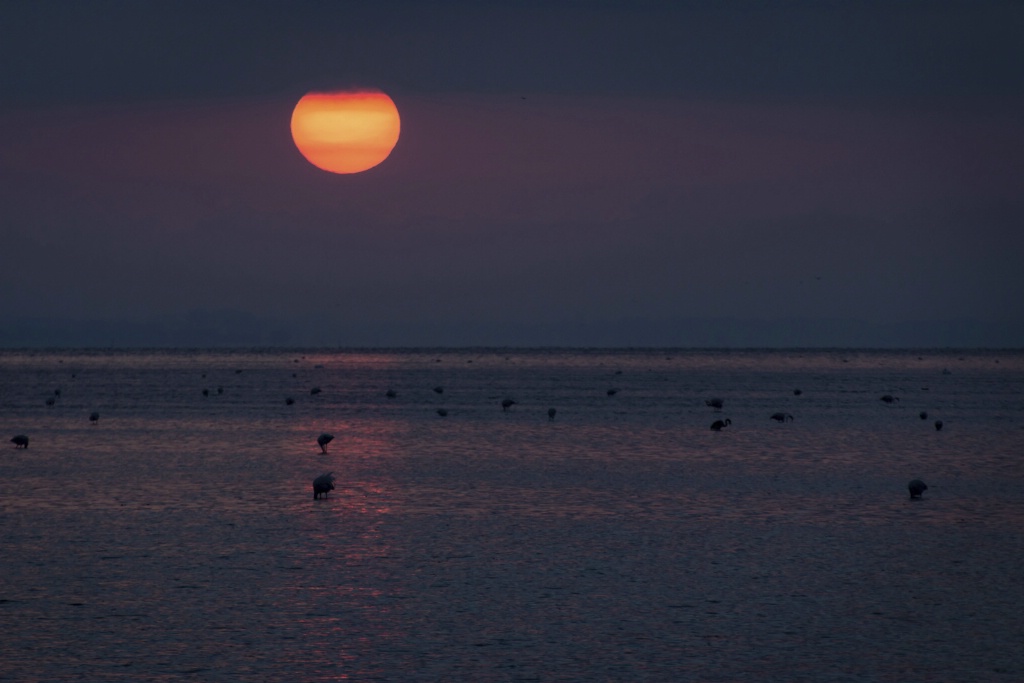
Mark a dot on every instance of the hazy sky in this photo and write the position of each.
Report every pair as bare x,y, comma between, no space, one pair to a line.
586,173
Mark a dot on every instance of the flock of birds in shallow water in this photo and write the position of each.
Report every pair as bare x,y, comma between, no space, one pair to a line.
325,482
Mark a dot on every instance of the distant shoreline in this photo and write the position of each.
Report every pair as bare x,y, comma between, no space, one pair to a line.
235,329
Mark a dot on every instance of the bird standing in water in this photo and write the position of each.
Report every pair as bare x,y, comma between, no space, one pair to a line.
323,440
719,425
323,484
916,488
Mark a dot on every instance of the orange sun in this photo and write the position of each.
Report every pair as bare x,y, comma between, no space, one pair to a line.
345,132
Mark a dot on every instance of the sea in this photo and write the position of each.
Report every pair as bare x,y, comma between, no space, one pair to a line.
176,537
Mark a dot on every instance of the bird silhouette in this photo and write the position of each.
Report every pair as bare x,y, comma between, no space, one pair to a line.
323,484
94,418
391,393
889,398
438,390
551,413
916,488
797,392
442,412
719,425
612,391
781,417
323,440
507,403
20,441
938,425
289,401
923,415
314,391
715,403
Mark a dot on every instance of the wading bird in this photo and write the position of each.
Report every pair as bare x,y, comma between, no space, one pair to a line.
923,415
442,412
438,390
889,398
391,393
916,488
718,425
323,484
507,403
323,440
782,417
938,425
94,418
551,413
715,403
20,441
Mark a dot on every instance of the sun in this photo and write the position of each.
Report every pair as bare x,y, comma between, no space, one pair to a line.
345,132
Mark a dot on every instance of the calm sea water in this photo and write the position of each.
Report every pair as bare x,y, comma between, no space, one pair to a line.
177,537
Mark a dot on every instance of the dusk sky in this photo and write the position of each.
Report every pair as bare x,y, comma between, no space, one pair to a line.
596,173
